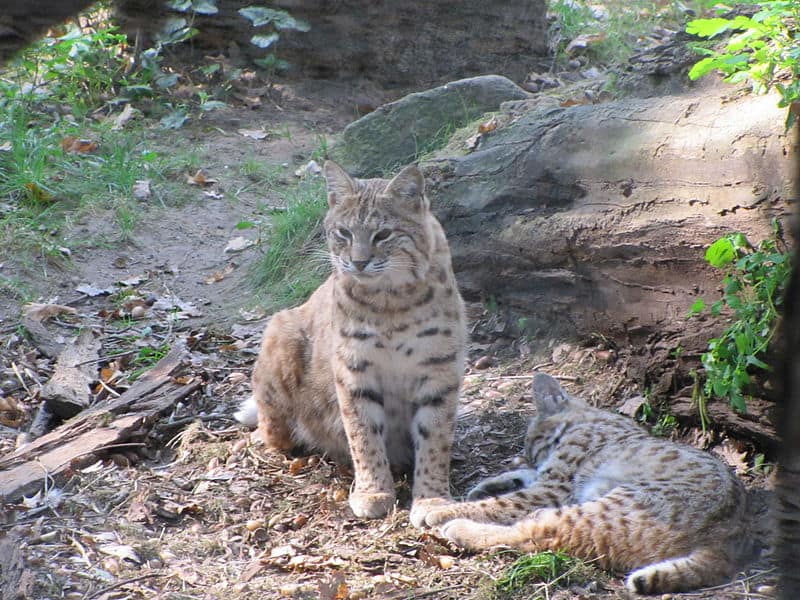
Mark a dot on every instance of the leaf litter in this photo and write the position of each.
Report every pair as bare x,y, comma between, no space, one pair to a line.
202,510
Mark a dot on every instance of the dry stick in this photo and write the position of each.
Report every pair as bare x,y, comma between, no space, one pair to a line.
429,592
561,377
121,583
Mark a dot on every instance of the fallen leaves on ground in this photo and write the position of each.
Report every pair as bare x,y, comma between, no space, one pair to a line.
76,145
42,312
200,179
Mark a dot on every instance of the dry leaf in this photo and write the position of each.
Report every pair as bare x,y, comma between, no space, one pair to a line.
255,134
122,118
490,125
78,146
200,179
584,41
733,456
141,189
631,406
5,146
122,551
334,588
238,244
92,291
217,276
42,312
251,570
574,102
38,193
298,464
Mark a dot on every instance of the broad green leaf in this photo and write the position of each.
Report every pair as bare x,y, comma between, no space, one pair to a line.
698,307
205,7
180,5
702,67
720,253
708,27
209,105
174,120
245,225
264,41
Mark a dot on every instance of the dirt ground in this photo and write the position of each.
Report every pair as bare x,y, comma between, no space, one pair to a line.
199,510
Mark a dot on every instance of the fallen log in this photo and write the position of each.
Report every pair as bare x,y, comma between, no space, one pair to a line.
757,424
84,438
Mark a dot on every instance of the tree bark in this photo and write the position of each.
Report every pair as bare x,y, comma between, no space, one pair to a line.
788,485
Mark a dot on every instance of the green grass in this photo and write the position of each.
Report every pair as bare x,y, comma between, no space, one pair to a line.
295,263
535,573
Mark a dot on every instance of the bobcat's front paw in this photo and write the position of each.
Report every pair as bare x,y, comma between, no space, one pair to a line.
465,533
422,508
369,505
471,535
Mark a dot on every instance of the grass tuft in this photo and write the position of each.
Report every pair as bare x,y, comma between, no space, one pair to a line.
295,263
546,568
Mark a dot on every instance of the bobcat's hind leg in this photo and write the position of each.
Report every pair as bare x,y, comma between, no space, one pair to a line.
700,568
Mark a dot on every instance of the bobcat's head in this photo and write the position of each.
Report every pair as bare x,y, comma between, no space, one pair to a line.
377,228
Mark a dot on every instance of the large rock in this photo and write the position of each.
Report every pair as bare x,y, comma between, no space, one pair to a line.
400,132
594,219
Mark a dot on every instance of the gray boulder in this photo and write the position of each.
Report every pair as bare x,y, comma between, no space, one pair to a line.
400,132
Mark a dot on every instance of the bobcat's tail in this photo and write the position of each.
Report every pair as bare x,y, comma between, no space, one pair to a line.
700,568
247,413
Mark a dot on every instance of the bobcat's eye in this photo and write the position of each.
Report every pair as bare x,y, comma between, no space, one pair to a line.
382,235
343,233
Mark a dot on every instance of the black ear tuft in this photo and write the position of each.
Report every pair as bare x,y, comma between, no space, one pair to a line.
340,184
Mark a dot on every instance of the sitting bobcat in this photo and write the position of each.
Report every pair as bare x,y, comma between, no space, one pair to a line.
369,369
601,488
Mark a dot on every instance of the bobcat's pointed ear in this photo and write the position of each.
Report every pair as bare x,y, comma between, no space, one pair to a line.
340,184
408,186
549,396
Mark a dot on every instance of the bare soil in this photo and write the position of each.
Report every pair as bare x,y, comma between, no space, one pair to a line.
198,509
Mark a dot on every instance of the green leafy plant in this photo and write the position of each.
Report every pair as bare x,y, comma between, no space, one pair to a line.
762,51
753,285
272,21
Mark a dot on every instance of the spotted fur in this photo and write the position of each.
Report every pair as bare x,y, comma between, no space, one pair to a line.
369,369
601,488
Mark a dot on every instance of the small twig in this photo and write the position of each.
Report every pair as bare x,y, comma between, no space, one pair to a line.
119,584
561,377
428,592
108,389
19,377
108,357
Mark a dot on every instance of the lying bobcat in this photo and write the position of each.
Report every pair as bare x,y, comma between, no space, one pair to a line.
599,487
369,369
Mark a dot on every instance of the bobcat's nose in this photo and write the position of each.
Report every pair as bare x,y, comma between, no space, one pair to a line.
360,265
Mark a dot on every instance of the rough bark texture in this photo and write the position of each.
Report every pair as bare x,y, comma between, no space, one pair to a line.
594,219
82,439
788,488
